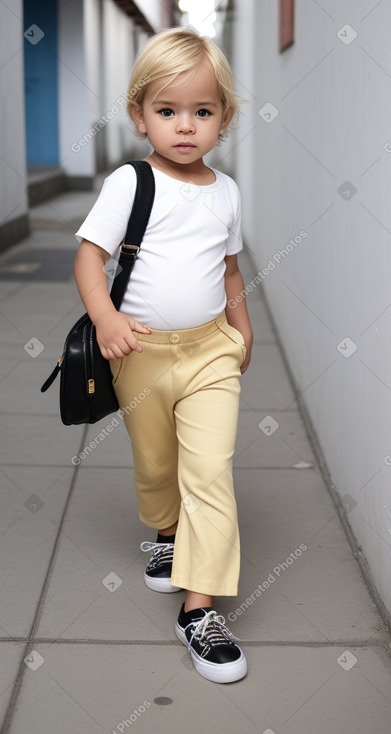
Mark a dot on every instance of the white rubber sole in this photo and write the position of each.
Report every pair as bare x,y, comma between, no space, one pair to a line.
158,584
216,672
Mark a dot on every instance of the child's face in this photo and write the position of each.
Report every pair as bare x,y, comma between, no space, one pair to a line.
183,119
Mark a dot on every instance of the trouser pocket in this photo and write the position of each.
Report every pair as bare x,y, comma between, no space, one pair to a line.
236,337
115,367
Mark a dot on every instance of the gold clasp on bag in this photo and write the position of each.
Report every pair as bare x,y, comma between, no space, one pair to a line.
91,386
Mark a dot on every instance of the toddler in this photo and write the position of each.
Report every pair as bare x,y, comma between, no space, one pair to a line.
175,334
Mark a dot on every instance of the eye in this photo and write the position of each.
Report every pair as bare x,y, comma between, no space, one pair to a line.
165,112
203,113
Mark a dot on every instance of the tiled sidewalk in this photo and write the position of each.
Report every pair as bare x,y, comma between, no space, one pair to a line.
78,657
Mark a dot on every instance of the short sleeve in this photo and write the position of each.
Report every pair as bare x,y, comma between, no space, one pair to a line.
234,242
107,221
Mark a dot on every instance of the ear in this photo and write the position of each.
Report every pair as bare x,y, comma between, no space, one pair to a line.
228,115
136,113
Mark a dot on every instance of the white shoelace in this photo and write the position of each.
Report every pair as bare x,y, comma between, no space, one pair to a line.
212,627
162,552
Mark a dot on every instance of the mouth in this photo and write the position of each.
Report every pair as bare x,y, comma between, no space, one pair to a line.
185,146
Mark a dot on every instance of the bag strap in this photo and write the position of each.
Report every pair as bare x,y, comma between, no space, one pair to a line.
137,224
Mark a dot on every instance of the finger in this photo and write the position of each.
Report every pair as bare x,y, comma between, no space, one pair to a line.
140,328
124,347
131,342
116,352
111,354
133,345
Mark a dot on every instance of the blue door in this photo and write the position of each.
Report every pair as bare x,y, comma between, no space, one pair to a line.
41,81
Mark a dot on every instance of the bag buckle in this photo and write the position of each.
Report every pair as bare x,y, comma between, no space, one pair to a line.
136,248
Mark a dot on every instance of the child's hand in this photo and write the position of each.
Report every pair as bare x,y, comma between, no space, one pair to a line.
114,334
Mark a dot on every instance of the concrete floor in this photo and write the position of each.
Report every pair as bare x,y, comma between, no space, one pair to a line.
80,658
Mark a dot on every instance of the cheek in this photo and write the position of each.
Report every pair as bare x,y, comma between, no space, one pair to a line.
213,130
157,131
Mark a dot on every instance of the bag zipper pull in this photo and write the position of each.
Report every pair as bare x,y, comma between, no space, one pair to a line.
53,375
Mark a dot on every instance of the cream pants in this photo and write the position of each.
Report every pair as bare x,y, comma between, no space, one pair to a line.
180,398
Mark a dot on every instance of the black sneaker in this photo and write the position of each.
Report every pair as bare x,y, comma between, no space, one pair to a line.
214,654
157,575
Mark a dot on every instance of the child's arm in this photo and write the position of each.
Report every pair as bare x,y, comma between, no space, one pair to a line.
113,328
236,309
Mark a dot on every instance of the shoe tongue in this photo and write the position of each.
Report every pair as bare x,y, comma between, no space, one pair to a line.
196,614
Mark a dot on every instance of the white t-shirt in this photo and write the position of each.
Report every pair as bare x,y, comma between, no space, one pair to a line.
178,279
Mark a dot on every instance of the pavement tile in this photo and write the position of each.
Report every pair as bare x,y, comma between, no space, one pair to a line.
32,500
284,446
110,443
265,383
295,554
263,331
293,690
66,210
11,655
39,311
101,536
21,379
8,287
36,440
39,265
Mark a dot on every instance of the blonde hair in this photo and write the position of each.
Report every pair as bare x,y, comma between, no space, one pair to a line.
173,51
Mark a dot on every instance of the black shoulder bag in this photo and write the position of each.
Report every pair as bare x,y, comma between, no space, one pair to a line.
86,389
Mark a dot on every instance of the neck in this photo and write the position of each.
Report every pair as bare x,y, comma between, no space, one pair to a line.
181,171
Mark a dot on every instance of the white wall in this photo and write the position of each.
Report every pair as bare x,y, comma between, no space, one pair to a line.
239,162
154,11
74,92
96,55
93,56
13,200
98,52
118,56
333,126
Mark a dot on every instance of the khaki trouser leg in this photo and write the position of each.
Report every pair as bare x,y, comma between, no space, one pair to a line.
151,428
183,437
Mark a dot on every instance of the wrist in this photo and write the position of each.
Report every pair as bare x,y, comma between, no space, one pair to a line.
95,318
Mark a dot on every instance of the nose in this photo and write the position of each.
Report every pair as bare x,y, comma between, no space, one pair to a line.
185,123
